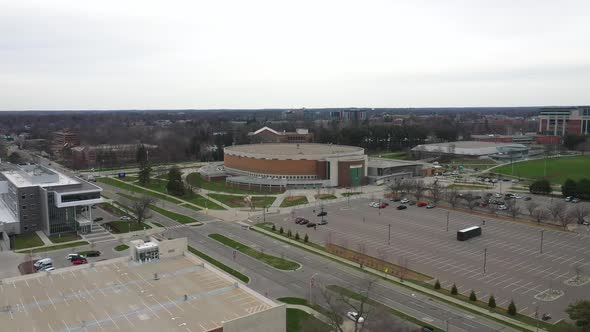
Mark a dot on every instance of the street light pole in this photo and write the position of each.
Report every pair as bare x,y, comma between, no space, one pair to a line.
485,259
310,285
448,213
541,246
389,235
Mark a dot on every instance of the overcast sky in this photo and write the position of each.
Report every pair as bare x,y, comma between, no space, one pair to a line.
128,54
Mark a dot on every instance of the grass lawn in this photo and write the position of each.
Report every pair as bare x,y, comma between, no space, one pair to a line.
121,247
219,265
57,247
294,200
121,226
558,169
66,237
299,320
238,201
393,155
325,196
126,186
27,240
351,194
110,208
276,262
203,202
128,178
181,218
160,186
196,180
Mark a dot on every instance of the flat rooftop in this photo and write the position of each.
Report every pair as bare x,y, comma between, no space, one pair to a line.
468,144
19,179
293,149
123,295
385,162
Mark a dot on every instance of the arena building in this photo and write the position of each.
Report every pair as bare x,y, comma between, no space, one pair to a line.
472,149
279,166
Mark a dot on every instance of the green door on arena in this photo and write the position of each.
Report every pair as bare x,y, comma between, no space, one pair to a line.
355,176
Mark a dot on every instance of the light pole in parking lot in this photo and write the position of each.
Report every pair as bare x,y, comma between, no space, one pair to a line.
448,213
541,246
311,284
389,235
485,259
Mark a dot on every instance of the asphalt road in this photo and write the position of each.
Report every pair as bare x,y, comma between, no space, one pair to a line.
515,268
275,283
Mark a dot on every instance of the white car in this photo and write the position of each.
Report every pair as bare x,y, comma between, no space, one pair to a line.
354,316
502,207
47,269
125,218
497,195
404,201
72,256
575,200
516,196
372,204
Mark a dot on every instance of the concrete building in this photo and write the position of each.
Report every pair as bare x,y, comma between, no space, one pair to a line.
561,121
528,138
383,171
36,198
349,115
279,166
471,149
105,155
177,291
268,135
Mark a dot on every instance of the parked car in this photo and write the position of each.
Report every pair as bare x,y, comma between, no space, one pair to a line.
497,195
98,219
402,207
93,253
405,201
421,204
125,218
303,222
586,223
322,214
42,263
527,198
427,329
298,220
430,206
502,207
46,268
412,203
575,200
311,224
354,316
73,257
568,199
79,261
374,204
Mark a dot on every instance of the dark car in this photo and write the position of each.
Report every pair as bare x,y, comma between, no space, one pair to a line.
427,329
322,214
98,219
93,253
311,224
527,198
303,222
402,207
323,222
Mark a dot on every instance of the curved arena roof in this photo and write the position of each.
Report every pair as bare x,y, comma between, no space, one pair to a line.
293,151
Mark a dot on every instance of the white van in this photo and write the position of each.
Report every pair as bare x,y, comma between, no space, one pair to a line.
43,262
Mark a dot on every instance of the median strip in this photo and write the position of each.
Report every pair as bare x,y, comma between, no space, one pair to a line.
219,265
276,262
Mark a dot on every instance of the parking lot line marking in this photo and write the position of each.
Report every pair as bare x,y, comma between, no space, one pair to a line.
66,325
23,305
521,310
561,275
522,286
112,320
50,300
96,320
173,302
50,328
153,312
130,322
34,298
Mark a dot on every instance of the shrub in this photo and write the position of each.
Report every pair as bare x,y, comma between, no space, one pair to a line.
512,308
289,233
306,238
281,230
297,236
472,296
274,228
492,302
437,284
454,290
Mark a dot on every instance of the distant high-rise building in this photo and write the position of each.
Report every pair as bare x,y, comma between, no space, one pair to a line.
349,115
561,121
63,140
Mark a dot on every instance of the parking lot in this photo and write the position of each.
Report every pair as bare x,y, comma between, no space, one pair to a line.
515,268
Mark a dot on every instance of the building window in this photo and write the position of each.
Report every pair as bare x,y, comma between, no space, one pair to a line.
25,217
24,196
31,196
26,228
24,207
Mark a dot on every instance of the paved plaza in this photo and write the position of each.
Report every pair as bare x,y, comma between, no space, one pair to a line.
515,268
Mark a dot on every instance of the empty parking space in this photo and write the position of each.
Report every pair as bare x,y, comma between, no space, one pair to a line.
520,260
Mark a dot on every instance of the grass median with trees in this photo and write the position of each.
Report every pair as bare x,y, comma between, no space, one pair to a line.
66,237
219,265
293,201
236,201
276,262
195,179
181,218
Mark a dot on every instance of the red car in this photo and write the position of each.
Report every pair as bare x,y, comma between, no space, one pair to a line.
79,261
383,206
421,204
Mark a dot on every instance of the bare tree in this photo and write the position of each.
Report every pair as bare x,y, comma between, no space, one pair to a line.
556,209
395,187
453,197
470,200
540,214
513,208
579,213
141,208
419,189
436,191
492,208
531,207
383,320
339,300
564,218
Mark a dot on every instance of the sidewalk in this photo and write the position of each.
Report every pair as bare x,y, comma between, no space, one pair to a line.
44,238
416,287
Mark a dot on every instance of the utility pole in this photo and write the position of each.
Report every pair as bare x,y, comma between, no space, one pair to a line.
448,213
541,246
485,259
389,235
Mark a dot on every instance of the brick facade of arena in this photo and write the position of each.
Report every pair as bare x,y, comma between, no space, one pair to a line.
276,167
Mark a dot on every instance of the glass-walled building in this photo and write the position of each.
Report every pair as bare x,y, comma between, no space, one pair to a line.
42,199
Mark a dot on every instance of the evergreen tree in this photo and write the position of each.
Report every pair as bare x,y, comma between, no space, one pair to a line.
437,284
175,185
297,236
281,230
274,228
141,156
472,296
289,233
492,302
306,238
145,174
454,290
569,188
580,313
512,308
540,187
